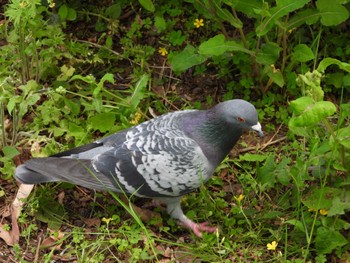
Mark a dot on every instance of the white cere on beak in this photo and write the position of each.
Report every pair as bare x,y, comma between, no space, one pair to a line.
257,128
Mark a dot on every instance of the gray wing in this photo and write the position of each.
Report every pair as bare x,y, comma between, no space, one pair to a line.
153,159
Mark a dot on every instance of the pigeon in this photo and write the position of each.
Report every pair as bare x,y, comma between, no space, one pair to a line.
163,158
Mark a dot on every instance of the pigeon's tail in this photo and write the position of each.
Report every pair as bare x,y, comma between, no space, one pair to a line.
27,176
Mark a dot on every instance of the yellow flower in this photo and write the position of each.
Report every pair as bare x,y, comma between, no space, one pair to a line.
163,51
23,4
272,245
136,119
198,23
239,198
107,220
323,212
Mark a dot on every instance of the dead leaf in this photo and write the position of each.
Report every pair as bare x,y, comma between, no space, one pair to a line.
92,222
6,235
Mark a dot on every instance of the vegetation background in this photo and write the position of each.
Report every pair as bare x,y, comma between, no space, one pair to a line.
73,71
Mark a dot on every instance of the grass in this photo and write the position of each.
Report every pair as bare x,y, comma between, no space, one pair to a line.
70,74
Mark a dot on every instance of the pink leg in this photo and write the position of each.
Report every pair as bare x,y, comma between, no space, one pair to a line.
198,229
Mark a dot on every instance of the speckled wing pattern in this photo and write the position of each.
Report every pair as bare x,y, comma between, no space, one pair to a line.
156,160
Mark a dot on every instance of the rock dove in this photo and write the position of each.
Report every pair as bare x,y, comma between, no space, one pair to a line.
163,158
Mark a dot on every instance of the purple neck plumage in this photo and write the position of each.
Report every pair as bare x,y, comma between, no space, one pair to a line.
215,136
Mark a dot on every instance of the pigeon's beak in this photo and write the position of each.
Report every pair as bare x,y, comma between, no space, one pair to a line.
257,128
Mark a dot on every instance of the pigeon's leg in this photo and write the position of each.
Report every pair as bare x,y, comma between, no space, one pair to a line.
175,211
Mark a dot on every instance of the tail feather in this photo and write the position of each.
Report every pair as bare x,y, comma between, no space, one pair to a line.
26,176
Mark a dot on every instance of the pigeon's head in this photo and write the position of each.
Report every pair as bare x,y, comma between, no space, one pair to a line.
240,114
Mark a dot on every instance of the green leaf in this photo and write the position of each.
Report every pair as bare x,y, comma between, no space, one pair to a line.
252,157
160,23
342,137
10,152
114,11
72,14
302,53
307,16
214,46
325,63
321,198
283,7
247,7
328,239
332,12
313,113
73,106
301,104
265,174
76,131
339,205
63,12
275,75
107,77
268,54
103,121
138,92
147,4
186,59
225,15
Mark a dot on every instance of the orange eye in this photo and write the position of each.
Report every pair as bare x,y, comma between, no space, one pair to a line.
240,119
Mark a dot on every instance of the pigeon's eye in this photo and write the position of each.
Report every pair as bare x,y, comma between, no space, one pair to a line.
240,119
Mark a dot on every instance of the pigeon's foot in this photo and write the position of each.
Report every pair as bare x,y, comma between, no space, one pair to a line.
198,229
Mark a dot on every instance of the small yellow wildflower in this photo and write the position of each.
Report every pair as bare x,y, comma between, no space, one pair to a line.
136,119
272,245
323,212
163,51
239,198
198,23
23,4
107,220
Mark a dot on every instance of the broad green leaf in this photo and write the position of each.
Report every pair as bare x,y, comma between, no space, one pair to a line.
214,46
332,12
63,12
247,7
327,239
76,131
160,23
72,105
10,152
339,206
301,104
307,16
275,75
268,54
313,114
114,11
147,4
283,8
342,136
252,157
218,45
186,59
138,92
265,174
72,14
321,198
302,53
103,121
325,63
225,15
